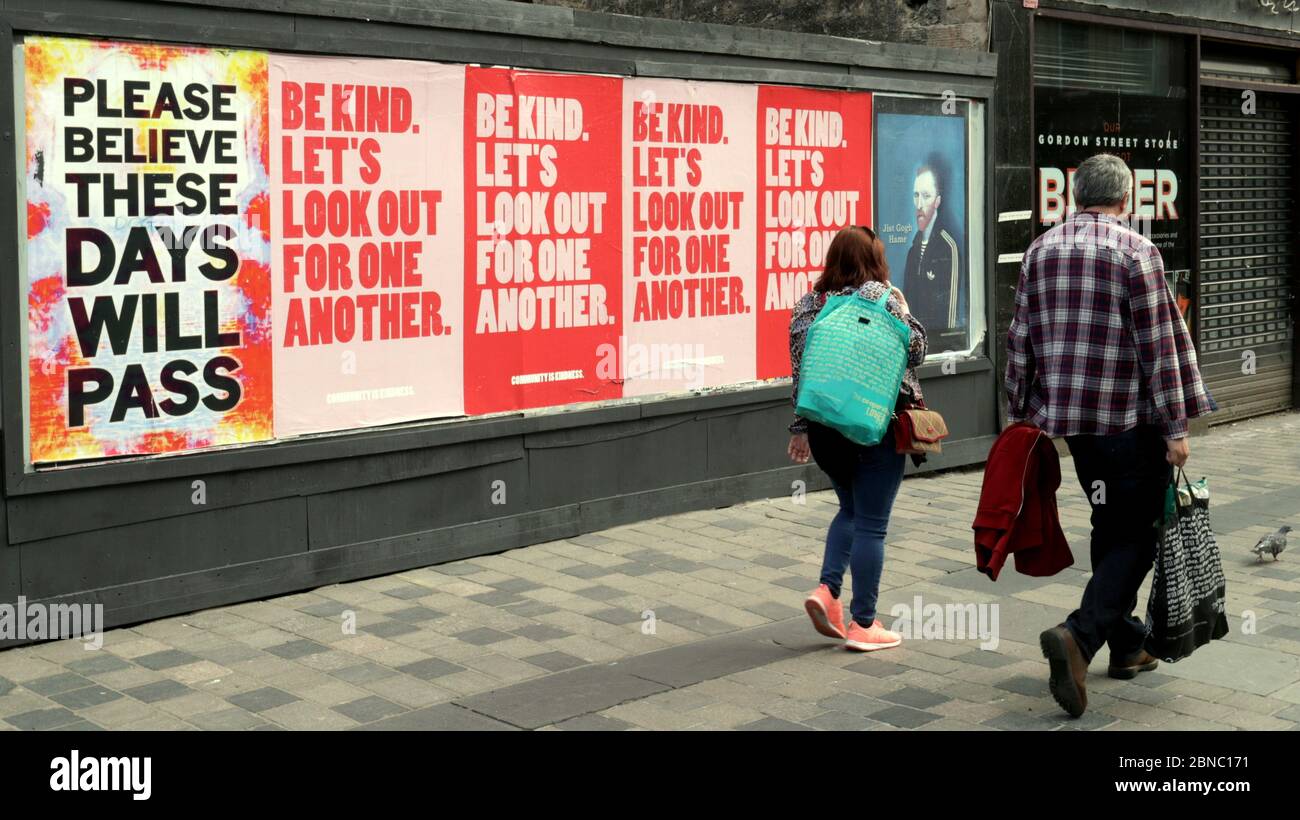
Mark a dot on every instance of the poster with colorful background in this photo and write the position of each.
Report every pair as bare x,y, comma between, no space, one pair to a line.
148,248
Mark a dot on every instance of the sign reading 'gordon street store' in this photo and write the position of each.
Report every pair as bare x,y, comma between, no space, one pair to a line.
1148,133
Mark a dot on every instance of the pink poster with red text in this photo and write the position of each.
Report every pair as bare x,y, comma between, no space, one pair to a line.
366,182
688,260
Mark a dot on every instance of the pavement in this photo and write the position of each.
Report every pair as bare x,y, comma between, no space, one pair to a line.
695,621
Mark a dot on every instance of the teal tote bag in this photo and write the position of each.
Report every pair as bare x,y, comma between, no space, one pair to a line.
854,361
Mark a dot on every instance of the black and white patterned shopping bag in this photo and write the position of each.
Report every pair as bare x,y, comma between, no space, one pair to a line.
1185,610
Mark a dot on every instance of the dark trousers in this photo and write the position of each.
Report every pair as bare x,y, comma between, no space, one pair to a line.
1124,477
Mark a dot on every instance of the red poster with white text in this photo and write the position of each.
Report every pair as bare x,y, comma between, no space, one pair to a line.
814,178
543,219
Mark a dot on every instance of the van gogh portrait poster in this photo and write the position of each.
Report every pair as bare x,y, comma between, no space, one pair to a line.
921,195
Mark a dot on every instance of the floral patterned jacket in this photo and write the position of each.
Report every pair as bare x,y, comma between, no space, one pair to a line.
807,308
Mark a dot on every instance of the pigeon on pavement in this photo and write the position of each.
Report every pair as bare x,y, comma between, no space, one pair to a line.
1272,544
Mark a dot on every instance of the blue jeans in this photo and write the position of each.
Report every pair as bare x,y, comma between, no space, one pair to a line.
866,479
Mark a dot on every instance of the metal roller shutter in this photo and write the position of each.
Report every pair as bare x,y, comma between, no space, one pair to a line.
1248,236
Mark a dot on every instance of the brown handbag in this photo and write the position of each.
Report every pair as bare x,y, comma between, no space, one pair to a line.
919,431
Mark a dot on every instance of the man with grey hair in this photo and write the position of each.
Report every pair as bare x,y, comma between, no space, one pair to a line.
1098,353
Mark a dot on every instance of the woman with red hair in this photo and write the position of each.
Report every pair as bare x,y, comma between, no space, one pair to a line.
866,479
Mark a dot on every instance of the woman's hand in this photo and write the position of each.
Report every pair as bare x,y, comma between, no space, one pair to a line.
898,294
798,449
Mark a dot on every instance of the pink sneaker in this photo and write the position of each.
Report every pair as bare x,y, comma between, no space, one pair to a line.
869,640
826,612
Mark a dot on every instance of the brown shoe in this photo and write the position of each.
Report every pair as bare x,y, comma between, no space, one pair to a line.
1069,669
1127,668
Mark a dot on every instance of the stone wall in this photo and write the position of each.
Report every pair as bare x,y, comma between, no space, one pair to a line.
943,23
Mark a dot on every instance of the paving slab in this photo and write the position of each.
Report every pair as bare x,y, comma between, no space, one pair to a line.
594,723
555,661
562,696
771,724
715,657
259,700
86,697
444,717
1240,667
369,709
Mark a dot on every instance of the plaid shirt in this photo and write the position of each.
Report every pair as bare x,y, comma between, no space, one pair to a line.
1097,345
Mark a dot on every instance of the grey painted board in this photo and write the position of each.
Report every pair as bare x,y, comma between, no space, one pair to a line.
78,24
602,513
674,453
576,436
827,75
748,442
487,26
415,505
215,16
447,45
519,56
189,592
835,76
35,517
157,549
968,402
722,398
313,449
958,84
10,578
671,35
623,30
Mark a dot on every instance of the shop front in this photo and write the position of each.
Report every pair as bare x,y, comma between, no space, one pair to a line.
306,298
1203,109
